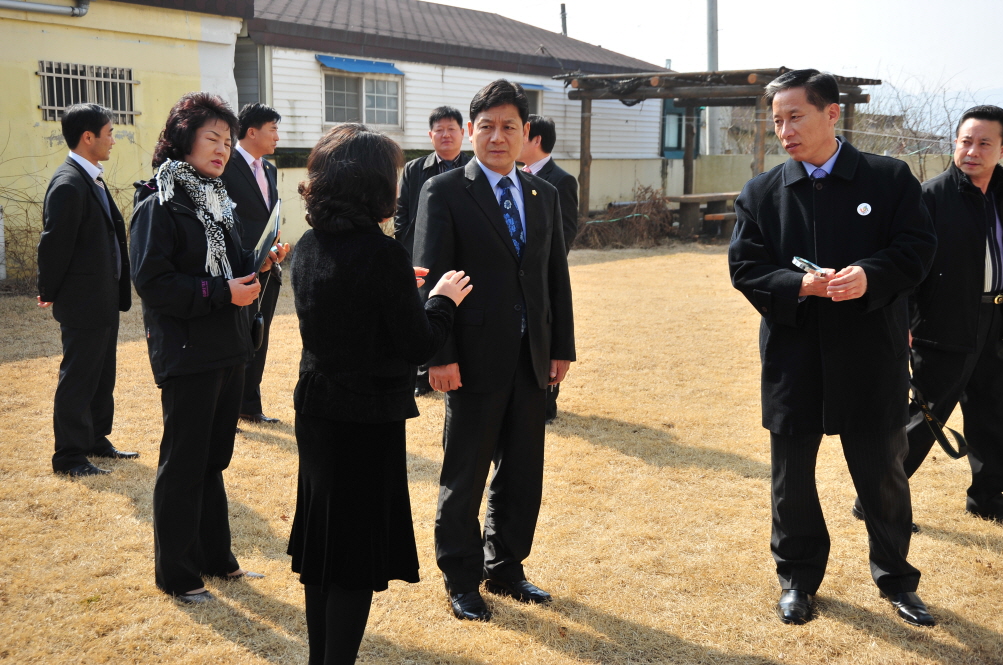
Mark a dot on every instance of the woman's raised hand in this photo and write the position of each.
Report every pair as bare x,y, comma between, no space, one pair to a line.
454,285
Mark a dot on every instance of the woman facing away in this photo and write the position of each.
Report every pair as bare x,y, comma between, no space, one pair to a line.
364,329
193,278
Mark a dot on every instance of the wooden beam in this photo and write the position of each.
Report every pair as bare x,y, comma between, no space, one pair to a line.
702,92
848,117
759,159
689,145
585,160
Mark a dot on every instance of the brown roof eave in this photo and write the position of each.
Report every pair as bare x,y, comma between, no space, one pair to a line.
331,40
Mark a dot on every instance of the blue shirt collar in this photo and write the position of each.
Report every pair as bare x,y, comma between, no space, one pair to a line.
827,167
494,177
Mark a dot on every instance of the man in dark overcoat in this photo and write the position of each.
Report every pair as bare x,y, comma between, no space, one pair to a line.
958,310
83,273
445,131
512,338
834,346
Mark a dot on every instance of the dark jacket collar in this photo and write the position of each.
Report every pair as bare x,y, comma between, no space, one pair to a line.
965,183
431,161
345,225
844,168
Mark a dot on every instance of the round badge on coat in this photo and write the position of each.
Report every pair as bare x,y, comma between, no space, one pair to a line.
864,209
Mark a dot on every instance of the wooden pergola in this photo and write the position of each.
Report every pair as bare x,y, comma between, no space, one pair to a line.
690,91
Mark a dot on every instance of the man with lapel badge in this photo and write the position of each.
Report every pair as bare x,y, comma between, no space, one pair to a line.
834,344
536,155
503,227
252,184
445,130
957,318
83,274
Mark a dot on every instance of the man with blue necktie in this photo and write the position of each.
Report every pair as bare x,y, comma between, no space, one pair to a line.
512,338
834,337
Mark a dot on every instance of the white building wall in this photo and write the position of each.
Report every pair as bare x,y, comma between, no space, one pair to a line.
618,131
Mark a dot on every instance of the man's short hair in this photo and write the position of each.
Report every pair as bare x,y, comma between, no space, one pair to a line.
81,118
983,112
498,93
545,129
820,88
445,113
256,115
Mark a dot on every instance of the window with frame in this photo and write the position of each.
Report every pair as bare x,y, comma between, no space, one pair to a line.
352,98
65,84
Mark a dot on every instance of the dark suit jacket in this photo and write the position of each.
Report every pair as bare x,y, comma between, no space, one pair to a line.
76,252
947,303
460,226
833,367
416,174
251,211
567,189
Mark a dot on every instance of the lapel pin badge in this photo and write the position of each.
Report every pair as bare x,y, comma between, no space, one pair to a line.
534,192
864,209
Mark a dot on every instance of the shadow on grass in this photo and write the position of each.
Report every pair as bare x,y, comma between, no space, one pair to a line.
378,649
589,635
658,447
993,542
586,257
984,645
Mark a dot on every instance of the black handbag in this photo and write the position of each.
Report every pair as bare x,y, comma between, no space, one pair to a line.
938,428
258,322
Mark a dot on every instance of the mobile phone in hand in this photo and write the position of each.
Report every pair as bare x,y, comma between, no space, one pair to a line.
810,267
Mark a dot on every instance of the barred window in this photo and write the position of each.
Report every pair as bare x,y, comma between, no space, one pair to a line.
352,98
65,84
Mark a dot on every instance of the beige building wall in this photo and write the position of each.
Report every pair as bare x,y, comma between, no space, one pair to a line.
170,52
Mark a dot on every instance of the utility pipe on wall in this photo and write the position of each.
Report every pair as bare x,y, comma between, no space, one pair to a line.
79,10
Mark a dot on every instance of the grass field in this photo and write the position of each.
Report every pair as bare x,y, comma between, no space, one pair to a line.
653,538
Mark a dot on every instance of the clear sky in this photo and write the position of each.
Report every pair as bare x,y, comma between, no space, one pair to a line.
915,44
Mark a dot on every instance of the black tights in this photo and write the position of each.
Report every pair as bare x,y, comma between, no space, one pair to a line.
335,622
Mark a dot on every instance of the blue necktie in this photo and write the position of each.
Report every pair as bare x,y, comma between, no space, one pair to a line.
818,173
510,211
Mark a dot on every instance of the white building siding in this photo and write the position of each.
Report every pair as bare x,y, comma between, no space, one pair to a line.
618,132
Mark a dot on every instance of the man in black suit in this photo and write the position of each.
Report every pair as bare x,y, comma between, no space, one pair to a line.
536,156
445,129
512,338
83,273
833,344
958,309
252,184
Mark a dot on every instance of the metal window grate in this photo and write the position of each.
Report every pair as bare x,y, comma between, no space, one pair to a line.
65,84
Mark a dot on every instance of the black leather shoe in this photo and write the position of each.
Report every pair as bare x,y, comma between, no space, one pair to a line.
195,598
910,608
258,418
522,591
858,512
794,607
85,469
468,606
115,454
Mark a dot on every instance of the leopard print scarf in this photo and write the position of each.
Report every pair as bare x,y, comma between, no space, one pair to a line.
212,206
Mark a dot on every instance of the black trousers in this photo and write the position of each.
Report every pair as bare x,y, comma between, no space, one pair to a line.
800,540
269,296
191,526
84,405
976,381
552,393
505,427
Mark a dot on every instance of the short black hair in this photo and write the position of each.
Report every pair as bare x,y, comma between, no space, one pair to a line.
983,112
443,113
820,88
545,129
498,93
352,173
189,115
256,115
81,118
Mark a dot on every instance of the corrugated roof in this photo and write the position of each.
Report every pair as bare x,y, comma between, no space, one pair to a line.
418,31
235,8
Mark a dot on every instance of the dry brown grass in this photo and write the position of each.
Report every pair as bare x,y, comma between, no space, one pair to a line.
654,534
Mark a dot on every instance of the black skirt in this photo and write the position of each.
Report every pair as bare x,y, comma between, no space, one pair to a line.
353,525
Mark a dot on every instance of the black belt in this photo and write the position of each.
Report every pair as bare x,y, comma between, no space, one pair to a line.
992,299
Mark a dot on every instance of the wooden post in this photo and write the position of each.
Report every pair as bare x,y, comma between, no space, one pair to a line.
759,161
585,163
849,115
689,145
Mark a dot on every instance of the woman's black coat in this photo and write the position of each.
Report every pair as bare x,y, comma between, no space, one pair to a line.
833,367
191,325
363,324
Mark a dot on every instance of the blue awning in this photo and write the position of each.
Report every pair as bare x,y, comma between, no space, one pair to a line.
358,66
532,86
